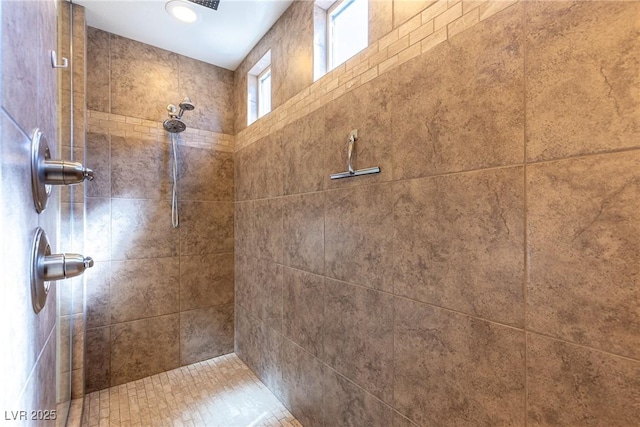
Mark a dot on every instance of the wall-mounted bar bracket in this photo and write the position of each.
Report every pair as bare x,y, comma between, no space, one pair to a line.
351,172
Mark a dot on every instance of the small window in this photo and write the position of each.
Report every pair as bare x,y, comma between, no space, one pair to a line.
259,89
347,24
341,31
264,92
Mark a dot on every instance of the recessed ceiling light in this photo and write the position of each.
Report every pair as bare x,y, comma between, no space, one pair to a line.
182,11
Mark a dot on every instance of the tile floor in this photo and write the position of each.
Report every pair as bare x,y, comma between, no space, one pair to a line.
219,392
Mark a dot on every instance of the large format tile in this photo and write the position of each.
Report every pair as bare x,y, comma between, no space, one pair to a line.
260,348
244,230
303,309
211,90
292,56
140,168
451,369
268,229
258,287
205,174
206,227
98,158
367,109
143,288
346,404
97,239
359,236
303,236
461,105
143,79
584,251
570,385
303,153
258,170
144,347
206,333
206,281
459,242
302,384
582,77
98,283
97,359
142,229
20,59
98,95
358,336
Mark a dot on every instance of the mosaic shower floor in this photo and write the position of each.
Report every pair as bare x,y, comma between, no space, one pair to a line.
220,392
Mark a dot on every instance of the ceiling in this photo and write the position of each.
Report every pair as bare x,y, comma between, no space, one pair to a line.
221,37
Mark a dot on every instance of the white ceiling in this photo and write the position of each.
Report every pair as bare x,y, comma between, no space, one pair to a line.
223,37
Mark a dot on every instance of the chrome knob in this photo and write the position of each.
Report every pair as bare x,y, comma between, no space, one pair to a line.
63,172
46,267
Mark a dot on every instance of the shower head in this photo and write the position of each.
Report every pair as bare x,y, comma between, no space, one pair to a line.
173,110
174,125
186,104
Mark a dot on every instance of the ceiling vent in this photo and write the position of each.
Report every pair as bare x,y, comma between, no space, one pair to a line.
211,4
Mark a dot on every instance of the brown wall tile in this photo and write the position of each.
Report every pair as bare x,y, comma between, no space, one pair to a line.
572,385
582,78
98,280
259,289
303,153
268,229
260,348
584,247
142,229
98,155
460,106
302,384
211,90
459,242
140,168
142,288
98,229
303,309
358,236
205,175
451,369
358,336
303,239
97,365
346,404
206,281
144,347
206,333
205,227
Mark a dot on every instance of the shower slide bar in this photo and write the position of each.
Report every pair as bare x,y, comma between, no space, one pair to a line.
350,170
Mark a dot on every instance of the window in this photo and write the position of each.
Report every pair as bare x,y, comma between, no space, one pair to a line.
347,25
259,89
341,30
264,92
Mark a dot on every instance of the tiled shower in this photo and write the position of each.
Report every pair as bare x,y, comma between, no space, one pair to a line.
488,275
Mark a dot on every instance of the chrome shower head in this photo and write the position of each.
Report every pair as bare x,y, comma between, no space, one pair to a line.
174,125
186,104
173,110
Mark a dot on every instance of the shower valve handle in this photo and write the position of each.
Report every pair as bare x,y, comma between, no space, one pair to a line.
64,266
63,172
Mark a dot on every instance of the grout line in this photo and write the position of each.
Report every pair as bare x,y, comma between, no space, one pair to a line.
526,218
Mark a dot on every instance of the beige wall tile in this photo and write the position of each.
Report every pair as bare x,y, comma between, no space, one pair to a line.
206,281
206,333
